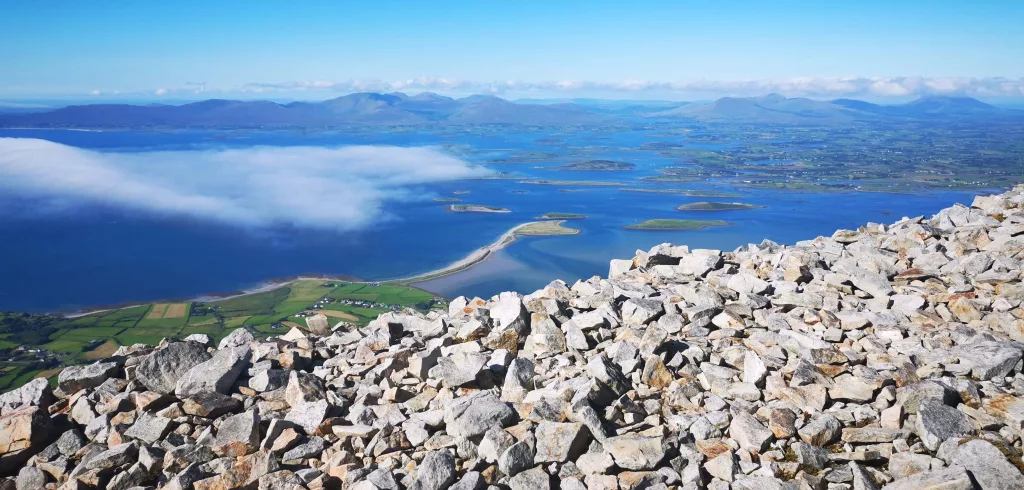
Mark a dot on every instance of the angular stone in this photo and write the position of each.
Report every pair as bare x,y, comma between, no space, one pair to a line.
210,405
239,434
245,471
937,422
821,431
23,432
161,370
952,478
560,442
459,368
215,375
318,324
75,378
435,472
516,458
474,415
655,374
748,432
722,466
149,428
635,452
237,338
35,393
308,415
987,465
605,371
532,479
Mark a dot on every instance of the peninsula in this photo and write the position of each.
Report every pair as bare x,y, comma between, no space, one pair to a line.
598,165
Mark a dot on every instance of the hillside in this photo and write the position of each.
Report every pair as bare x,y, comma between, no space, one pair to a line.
353,109
777,109
883,357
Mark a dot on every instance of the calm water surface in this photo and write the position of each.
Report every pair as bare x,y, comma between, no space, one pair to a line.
69,255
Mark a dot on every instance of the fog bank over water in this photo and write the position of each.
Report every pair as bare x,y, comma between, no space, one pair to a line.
337,188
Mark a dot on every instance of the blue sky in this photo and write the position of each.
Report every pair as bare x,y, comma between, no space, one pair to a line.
636,49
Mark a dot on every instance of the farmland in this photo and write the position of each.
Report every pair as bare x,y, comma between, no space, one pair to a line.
38,345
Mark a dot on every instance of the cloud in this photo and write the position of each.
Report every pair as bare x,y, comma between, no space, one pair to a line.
342,188
801,86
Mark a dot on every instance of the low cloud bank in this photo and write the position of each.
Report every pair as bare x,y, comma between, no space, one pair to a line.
801,86
343,188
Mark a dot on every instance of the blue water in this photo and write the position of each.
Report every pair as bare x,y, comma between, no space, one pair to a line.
58,256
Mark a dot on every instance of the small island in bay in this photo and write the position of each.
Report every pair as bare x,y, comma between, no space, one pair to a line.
546,228
561,216
447,199
684,192
571,182
675,224
459,193
591,165
476,208
716,206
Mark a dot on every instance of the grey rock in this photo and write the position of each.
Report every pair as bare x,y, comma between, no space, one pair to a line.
937,422
308,415
635,452
459,368
161,370
532,479
602,369
474,415
987,465
746,430
811,458
237,338
821,431
30,478
35,393
560,442
472,480
516,458
952,478
215,375
435,472
311,448
240,428
75,378
149,428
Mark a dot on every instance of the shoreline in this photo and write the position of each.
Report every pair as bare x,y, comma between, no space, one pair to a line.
475,257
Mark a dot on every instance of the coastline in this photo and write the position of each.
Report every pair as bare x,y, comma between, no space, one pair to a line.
475,257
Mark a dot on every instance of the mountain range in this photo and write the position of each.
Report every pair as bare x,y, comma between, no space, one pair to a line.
428,108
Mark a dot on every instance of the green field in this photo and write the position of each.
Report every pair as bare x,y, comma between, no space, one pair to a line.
77,340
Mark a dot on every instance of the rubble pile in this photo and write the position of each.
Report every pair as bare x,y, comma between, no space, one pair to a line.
887,357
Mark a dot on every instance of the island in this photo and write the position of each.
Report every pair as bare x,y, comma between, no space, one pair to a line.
685,192
447,199
591,165
561,216
675,224
459,193
571,182
476,208
546,228
716,206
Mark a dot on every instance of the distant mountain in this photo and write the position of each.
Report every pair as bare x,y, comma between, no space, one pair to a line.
773,108
428,108
777,109
352,109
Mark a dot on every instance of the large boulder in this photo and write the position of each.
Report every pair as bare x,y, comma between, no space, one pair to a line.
75,378
161,370
215,375
35,393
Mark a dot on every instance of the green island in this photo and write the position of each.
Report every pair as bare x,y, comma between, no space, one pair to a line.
716,206
684,192
571,182
447,199
476,208
40,345
546,228
561,216
675,224
592,165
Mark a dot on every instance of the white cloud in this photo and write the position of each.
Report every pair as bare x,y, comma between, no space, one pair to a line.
160,91
801,86
332,188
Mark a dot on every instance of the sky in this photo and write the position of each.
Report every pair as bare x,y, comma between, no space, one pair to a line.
637,50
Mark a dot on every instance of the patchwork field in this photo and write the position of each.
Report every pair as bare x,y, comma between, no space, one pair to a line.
98,335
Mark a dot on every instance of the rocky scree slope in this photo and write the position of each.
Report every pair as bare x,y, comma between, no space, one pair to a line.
883,358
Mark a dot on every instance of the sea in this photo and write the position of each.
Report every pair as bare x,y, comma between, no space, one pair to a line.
87,254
